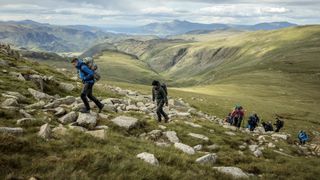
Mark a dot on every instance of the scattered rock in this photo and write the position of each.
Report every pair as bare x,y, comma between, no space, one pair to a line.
66,86
102,127
60,130
24,113
59,111
213,147
132,108
101,134
87,120
253,147
103,116
10,102
172,136
25,121
39,95
280,136
234,171
257,153
125,122
45,131
230,133
209,158
10,130
77,128
68,118
271,145
38,105
193,124
198,147
199,136
154,134
149,158
162,127
185,148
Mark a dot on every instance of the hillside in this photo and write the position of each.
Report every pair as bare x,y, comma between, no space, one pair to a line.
43,136
45,37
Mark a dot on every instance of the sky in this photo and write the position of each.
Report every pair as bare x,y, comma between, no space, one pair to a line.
126,13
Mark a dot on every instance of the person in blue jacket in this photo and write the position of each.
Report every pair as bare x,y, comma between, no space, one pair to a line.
87,77
303,137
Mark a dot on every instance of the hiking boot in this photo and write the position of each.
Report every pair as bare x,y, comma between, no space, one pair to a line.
100,108
166,120
85,110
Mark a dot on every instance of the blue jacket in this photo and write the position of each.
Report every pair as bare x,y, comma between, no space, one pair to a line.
303,136
85,73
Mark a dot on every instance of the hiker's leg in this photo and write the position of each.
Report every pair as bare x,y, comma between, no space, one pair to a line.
84,96
239,122
158,111
162,111
90,96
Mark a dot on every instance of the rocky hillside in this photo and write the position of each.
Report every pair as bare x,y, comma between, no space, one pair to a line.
43,136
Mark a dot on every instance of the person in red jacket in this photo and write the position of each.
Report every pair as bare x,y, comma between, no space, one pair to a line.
237,116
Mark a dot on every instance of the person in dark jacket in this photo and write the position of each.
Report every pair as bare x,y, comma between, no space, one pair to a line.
160,96
267,126
253,121
87,77
279,124
303,137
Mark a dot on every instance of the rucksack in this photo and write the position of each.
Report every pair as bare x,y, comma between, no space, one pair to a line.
93,66
164,87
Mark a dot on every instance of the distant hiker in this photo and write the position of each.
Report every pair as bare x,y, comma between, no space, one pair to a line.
228,119
267,126
237,116
253,121
303,137
88,79
159,94
279,124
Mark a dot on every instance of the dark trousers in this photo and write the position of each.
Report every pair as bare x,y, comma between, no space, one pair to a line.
160,104
87,92
239,122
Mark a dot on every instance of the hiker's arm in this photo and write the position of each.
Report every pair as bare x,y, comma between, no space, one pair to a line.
153,96
88,71
165,96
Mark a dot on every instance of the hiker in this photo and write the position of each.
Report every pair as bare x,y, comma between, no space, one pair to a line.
237,116
267,126
228,119
253,121
303,137
159,93
279,124
88,79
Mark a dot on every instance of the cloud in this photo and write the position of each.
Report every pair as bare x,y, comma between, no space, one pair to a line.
158,10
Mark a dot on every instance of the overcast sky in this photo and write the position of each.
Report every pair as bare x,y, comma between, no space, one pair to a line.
140,12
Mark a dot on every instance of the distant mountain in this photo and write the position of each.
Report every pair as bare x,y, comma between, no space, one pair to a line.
45,37
180,27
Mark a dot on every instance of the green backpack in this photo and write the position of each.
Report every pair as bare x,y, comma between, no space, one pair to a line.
93,66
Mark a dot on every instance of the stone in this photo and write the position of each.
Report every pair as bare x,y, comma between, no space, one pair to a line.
10,130
132,108
66,86
140,104
271,145
257,153
39,95
19,76
213,147
172,136
209,158
193,124
125,122
15,95
233,171
242,147
24,113
230,133
183,114
59,111
66,100
198,147
185,148
162,144
102,127
87,120
101,134
233,128
280,136
199,136
38,105
149,158
77,128
103,116
78,107
10,102
68,118
60,130
45,131
154,134
25,121
253,147
162,127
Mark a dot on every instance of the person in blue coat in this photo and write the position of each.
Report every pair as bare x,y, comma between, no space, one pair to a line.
303,137
87,77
